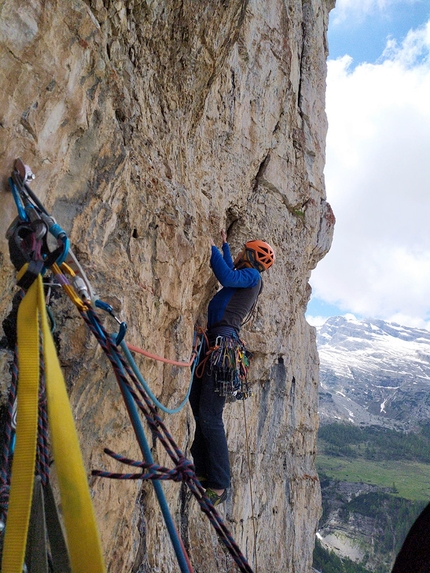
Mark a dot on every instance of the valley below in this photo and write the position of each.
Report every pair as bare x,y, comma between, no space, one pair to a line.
374,442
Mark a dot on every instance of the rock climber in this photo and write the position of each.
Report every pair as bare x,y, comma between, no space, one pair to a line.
228,309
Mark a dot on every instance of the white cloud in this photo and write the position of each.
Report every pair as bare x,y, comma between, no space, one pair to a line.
378,182
414,47
358,9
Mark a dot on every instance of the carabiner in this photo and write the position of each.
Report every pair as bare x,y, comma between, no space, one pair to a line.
122,325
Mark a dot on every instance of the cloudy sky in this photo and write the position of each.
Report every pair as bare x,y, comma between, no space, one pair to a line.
378,164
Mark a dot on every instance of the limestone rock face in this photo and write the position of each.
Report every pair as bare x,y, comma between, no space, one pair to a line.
152,125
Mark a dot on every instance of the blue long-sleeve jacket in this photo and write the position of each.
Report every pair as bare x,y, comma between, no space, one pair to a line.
240,290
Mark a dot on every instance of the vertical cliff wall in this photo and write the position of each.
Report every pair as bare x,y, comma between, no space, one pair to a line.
150,126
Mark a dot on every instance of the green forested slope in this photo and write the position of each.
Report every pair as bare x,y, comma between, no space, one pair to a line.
397,463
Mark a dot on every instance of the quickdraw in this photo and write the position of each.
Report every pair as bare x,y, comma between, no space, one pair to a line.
229,363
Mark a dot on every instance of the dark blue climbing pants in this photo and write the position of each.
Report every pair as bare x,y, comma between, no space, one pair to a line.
209,449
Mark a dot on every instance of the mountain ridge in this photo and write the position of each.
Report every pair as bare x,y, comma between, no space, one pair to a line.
373,372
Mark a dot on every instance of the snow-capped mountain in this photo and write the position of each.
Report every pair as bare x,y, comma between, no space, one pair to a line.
374,372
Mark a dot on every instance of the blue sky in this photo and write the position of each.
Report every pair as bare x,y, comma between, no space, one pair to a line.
378,164
363,33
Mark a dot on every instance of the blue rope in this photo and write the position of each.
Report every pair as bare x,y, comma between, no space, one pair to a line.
139,376
18,202
146,451
119,366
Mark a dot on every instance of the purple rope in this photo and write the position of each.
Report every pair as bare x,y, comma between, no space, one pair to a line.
42,434
184,469
155,471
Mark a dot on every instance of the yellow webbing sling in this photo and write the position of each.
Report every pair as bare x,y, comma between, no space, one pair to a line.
81,530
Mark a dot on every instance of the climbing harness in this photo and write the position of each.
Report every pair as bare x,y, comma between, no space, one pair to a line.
227,362
32,255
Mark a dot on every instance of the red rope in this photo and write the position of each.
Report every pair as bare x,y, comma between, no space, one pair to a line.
133,348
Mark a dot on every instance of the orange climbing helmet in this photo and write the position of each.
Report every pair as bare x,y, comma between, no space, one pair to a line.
259,254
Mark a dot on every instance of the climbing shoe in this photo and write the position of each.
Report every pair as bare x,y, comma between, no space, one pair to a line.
215,498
